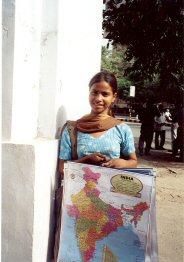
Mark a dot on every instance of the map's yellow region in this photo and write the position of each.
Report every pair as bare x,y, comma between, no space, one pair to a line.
82,238
101,222
81,200
126,184
92,213
93,216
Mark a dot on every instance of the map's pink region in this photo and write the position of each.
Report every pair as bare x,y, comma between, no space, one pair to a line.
137,212
90,192
88,254
90,176
109,227
113,213
73,211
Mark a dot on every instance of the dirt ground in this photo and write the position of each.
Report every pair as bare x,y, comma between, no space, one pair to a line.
169,203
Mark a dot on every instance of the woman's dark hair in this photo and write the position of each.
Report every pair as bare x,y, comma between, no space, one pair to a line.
107,77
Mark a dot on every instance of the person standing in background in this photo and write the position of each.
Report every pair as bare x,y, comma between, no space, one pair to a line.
146,116
168,115
160,122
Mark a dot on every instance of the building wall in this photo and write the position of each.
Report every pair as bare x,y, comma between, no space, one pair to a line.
51,49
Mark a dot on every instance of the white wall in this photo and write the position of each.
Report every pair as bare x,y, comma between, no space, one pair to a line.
77,57
80,40
51,49
17,202
50,55
26,63
28,200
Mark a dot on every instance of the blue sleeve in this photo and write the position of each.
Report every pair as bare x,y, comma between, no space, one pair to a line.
65,149
127,145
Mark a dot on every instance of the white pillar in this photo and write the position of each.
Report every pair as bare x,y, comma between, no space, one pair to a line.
47,64
25,32
28,200
79,56
48,70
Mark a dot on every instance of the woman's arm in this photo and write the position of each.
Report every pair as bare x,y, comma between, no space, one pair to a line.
97,158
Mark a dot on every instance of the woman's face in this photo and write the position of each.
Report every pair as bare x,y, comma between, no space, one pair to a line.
101,97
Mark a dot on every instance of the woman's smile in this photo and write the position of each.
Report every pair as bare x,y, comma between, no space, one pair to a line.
98,105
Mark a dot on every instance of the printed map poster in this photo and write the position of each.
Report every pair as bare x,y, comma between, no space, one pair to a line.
105,214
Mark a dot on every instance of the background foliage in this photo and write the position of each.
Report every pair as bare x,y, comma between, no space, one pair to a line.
147,46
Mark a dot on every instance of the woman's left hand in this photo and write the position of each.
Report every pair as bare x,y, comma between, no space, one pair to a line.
122,163
116,163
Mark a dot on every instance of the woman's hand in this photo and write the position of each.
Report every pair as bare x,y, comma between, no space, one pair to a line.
115,163
95,158
122,163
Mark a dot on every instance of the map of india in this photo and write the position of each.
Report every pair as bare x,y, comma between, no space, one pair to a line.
96,220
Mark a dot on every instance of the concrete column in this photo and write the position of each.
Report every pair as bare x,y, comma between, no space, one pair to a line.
28,200
29,164
51,49
21,81
79,54
48,70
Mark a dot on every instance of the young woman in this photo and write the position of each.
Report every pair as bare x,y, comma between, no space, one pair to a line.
101,139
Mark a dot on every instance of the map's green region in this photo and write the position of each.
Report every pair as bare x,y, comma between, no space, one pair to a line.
99,204
84,224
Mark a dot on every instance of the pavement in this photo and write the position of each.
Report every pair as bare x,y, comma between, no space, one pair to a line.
169,202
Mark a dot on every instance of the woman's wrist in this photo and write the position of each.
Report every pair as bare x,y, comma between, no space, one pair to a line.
84,159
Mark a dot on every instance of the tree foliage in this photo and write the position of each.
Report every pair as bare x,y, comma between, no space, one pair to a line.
113,61
152,31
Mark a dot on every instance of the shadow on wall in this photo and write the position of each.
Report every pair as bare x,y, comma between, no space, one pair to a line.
61,118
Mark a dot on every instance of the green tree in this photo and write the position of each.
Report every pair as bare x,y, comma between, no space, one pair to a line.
152,31
113,61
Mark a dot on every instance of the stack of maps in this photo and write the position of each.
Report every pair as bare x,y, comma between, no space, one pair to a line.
108,215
